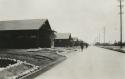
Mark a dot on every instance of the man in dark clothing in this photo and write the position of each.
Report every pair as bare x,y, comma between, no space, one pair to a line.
82,45
86,45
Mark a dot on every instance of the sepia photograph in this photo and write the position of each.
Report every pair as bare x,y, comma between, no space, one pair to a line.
62,39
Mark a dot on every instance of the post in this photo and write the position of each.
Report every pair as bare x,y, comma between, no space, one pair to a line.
99,37
104,35
120,24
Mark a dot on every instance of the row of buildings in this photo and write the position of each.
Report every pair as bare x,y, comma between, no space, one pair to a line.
33,33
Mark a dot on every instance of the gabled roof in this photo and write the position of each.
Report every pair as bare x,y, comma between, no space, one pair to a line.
22,24
62,35
75,38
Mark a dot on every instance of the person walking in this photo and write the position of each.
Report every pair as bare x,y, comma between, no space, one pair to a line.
86,45
82,46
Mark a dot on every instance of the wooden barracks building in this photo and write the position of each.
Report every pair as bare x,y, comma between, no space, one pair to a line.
31,33
62,40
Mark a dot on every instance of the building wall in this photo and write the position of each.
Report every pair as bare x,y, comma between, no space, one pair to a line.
18,39
45,36
62,42
25,39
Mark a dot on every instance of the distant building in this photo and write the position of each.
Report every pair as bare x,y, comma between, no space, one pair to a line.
62,40
31,33
75,41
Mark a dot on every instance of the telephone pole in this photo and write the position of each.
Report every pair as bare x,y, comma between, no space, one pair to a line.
121,6
99,37
104,34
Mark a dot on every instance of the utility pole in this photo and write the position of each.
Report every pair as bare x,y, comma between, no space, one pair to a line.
104,34
99,37
121,6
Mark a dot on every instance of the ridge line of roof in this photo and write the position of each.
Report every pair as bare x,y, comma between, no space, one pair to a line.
22,19
22,24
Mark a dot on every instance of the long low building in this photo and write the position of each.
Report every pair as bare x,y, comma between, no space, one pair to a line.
62,40
30,33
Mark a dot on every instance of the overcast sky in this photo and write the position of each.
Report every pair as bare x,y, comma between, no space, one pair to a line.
83,18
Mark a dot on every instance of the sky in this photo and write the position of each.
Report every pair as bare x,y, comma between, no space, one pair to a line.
84,19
